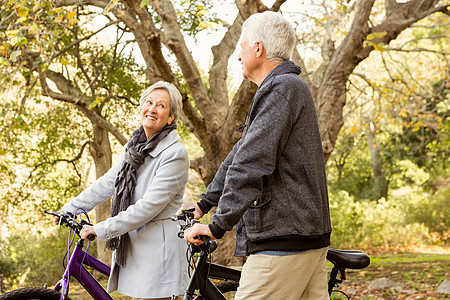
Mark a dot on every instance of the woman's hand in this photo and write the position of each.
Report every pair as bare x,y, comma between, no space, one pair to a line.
191,234
197,213
56,219
87,230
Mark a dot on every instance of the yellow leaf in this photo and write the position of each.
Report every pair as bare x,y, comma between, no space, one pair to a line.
36,7
64,61
70,15
59,18
12,33
205,25
21,20
22,11
378,47
201,12
375,35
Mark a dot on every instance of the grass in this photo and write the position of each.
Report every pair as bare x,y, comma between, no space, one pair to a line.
418,272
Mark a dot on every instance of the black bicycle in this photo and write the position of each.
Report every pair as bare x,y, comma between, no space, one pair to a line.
204,272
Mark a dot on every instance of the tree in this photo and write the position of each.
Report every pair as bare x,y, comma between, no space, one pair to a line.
210,112
89,82
397,99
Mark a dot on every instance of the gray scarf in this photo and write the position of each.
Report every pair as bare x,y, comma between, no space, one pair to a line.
136,151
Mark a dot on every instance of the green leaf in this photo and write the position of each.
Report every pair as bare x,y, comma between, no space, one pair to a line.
14,55
144,3
22,11
33,29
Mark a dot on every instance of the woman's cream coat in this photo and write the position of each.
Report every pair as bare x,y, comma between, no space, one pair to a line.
156,265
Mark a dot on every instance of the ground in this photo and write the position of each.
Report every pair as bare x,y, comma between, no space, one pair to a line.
419,271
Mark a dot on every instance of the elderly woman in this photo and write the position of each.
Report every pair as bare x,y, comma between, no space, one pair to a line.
147,185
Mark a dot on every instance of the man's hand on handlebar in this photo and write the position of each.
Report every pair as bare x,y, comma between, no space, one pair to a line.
192,234
87,230
197,213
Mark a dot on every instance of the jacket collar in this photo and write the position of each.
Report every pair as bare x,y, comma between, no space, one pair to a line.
283,68
165,143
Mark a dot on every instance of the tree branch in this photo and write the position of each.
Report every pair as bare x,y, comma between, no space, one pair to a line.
78,101
218,72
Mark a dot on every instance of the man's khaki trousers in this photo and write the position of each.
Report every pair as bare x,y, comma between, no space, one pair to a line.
289,277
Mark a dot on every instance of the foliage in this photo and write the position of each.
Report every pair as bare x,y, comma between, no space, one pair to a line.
405,107
432,211
44,141
32,258
410,218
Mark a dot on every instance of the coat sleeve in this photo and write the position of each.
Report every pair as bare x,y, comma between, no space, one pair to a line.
99,191
169,178
256,157
215,188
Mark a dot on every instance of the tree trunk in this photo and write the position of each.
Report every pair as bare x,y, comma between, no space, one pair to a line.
100,150
380,184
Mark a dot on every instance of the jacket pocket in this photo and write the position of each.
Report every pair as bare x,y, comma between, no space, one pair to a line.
258,218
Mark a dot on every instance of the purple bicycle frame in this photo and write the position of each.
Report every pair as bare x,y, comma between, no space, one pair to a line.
76,269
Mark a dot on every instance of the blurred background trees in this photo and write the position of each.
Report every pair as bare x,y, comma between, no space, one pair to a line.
72,72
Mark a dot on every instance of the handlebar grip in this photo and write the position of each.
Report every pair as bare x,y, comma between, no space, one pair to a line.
204,238
54,213
91,237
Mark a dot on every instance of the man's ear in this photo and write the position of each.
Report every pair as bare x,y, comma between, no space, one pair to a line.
259,48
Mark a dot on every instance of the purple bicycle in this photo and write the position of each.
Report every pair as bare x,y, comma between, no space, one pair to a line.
75,268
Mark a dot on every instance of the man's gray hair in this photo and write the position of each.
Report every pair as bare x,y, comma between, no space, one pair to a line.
274,31
176,103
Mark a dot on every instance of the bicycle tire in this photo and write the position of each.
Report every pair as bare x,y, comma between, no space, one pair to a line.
31,293
227,286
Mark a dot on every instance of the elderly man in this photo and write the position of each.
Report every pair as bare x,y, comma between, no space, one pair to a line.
272,185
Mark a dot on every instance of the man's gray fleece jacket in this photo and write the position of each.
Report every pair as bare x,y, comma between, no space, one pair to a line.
272,185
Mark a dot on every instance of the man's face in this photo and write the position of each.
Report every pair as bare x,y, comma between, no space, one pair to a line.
248,60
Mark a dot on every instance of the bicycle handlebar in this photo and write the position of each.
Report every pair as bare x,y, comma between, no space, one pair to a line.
69,221
188,217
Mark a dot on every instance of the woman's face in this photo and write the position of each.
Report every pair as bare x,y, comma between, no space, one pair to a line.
155,111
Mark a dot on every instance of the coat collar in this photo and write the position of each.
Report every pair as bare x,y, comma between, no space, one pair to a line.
165,143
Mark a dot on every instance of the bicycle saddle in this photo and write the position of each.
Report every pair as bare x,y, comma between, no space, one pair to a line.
351,259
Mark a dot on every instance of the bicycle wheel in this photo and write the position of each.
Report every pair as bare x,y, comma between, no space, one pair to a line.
227,286
31,293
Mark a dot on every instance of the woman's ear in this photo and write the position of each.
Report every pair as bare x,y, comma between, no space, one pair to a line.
171,118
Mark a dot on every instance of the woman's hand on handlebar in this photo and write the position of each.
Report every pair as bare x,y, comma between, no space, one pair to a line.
197,213
192,234
87,230
56,219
